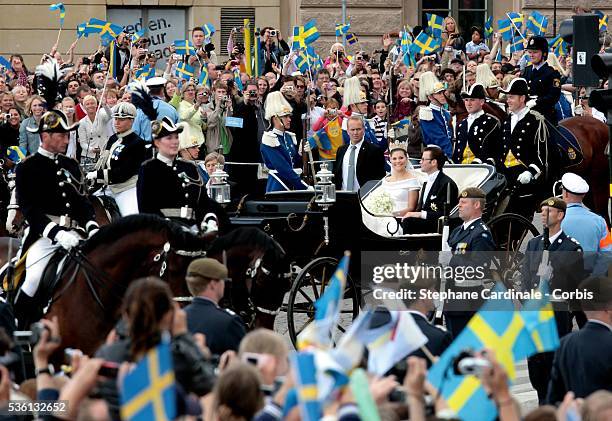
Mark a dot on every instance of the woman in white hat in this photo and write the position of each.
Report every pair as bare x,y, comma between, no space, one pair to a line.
279,148
117,168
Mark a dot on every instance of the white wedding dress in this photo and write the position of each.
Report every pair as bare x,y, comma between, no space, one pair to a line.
399,191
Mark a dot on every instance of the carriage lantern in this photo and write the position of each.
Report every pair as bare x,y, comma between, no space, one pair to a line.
325,187
219,188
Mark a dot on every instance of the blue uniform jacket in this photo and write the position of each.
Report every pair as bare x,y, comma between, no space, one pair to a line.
436,128
369,134
279,153
142,124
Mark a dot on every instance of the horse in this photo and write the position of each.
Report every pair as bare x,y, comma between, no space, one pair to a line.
87,297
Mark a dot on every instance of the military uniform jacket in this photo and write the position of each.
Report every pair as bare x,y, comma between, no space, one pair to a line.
175,190
223,328
436,128
280,154
482,138
126,153
52,185
522,143
565,258
463,242
545,83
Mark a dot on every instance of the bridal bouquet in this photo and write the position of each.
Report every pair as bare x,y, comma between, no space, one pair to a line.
379,203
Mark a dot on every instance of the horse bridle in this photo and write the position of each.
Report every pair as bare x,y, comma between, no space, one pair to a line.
166,249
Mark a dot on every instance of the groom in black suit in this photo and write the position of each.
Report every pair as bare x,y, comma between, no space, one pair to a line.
359,161
433,194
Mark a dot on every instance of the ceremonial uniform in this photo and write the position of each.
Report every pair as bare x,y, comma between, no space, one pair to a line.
436,128
544,82
161,109
280,154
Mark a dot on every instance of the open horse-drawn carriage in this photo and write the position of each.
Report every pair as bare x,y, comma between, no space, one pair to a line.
315,231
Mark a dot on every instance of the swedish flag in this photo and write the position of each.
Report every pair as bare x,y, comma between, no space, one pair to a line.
436,24
302,62
342,28
137,35
306,384
424,44
62,11
320,140
516,18
146,72
305,35
517,45
184,47
505,29
15,153
558,45
603,20
149,391
106,39
184,71
203,79
81,30
488,27
537,23
98,26
351,38
208,29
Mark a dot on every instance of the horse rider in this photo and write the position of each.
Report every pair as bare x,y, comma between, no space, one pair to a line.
51,195
435,120
478,135
173,188
523,150
543,80
279,147
117,168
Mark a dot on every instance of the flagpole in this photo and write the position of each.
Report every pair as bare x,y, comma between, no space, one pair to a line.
59,33
428,354
344,22
512,23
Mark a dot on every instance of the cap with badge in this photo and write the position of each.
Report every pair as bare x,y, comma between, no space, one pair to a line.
538,43
476,91
156,81
575,184
517,86
472,193
124,110
164,127
554,202
206,267
53,121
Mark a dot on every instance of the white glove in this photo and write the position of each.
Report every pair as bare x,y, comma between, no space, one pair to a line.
306,146
391,134
310,188
209,223
531,103
92,175
525,177
67,239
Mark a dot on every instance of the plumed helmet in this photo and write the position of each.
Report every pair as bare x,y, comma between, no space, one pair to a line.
485,76
352,92
277,106
429,85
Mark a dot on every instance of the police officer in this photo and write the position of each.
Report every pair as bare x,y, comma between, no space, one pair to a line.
279,148
222,327
465,240
173,188
523,150
478,135
150,101
435,120
52,198
117,168
565,273
543,80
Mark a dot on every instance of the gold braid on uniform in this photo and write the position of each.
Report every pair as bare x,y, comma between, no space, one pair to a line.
541,137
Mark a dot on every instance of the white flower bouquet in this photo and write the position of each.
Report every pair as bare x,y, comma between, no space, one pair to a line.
379,203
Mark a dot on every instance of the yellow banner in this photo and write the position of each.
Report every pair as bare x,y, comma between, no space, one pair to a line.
247,47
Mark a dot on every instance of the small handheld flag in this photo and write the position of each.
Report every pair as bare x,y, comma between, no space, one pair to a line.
351,38
516,18
62,11
306,384
537,23
517,45
203,79
81,30
184,47
208,29
558,46
145,72
106,39
98,26
505,29
603,20
5,63
424,44
320,140
305,35
436,24
342,28
137,35
184,70
488,27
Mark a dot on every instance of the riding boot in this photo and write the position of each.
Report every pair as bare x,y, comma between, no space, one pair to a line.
27,310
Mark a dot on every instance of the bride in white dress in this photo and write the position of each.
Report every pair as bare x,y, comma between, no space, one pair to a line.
402,184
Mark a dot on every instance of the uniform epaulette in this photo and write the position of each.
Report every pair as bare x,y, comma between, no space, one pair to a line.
425,113
293,137
230,312
270,139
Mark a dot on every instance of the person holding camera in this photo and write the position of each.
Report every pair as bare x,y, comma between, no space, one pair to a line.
122,54
336,63
205,52
218,136
269,52
9,129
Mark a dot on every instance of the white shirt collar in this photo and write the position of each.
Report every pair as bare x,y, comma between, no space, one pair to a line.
124,134
165,160
521,113
467,224
432,177
538,66
552,238
475,115
278,132
46,153
358,145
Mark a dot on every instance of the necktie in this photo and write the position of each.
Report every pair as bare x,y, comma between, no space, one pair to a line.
350,183
422,198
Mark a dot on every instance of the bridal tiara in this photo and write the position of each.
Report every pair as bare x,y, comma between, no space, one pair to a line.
398,145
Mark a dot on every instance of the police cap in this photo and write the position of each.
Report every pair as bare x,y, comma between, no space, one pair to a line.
207,268
575,184
472,193
554,202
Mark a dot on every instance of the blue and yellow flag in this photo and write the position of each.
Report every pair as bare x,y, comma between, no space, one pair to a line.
516,18
603,20
537,23
98,26
305,370
107,39
302,62
305,35
137,35
184,47
146,72
558,46
184,70
208,29
149,391
424,44
203,79
62,11
342,28
15,153
320,140
81,30
505,29
351,38
237,79
435,24
5,63
488,27
517,44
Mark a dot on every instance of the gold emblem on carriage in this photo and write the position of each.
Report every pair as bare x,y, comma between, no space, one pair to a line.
434,207
571,153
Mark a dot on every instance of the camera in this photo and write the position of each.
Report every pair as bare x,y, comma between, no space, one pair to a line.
454,35
252,93
7,116
273,32
332,112
29,337
240,48
225,98
86,60
466,363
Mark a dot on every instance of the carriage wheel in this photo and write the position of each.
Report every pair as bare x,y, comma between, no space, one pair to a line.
511,233
308,286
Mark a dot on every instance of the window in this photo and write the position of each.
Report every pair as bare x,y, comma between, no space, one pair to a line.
233,17
467,13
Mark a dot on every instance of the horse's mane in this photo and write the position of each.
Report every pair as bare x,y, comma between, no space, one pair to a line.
250,237
178,237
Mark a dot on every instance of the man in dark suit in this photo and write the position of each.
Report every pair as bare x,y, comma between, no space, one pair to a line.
223,328
565,258
359,161
583,362
434,194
